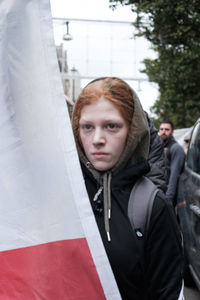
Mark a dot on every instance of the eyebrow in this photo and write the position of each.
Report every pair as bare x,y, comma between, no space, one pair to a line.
104,121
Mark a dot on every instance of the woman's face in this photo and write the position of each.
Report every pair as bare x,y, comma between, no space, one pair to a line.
103,133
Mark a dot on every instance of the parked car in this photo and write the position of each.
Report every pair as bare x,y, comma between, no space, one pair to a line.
188,208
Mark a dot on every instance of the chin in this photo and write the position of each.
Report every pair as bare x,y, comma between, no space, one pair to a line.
102,168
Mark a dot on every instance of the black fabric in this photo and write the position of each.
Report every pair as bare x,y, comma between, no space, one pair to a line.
167,150
167,145
163,241
174,163
156,159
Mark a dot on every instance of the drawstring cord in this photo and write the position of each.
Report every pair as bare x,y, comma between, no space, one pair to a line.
98,193
106,201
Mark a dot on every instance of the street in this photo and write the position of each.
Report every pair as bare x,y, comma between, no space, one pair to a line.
191,294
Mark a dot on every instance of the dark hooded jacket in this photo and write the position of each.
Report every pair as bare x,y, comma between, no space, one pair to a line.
156,158
174,163
156,275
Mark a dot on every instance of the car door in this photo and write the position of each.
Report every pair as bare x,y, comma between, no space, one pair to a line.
192,192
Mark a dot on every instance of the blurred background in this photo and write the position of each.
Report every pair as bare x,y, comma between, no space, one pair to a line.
94,41
154,46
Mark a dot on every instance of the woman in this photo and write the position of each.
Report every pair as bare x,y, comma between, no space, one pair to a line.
112,136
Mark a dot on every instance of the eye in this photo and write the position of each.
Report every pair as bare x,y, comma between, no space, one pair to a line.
87,127
111,126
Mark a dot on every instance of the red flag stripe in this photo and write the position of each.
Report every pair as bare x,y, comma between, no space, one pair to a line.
53,271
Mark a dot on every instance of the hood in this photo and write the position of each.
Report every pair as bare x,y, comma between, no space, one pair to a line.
137,147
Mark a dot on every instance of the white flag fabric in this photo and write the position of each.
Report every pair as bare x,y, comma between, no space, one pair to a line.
50,248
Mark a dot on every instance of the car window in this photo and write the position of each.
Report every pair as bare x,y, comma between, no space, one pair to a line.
193,157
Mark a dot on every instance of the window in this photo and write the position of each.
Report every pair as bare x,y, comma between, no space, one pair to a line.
193,157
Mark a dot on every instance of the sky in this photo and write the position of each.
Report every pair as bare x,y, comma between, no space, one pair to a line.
129,57
89,9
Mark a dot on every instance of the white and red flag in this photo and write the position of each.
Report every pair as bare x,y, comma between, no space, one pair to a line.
50,248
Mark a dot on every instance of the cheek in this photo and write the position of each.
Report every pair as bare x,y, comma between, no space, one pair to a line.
84,141
125,137
81,138
121,142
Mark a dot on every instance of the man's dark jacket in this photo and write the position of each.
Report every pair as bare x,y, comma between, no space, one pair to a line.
174,162
156,159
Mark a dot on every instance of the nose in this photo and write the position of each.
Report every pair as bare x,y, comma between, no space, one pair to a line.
99,136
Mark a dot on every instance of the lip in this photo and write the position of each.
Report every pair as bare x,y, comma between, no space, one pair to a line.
99,154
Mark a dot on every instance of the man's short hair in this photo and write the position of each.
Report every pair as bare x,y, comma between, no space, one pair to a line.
168,122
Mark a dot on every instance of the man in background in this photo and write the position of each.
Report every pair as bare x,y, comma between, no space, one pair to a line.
174,159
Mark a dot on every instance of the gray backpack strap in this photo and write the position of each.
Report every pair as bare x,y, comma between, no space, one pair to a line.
140,205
